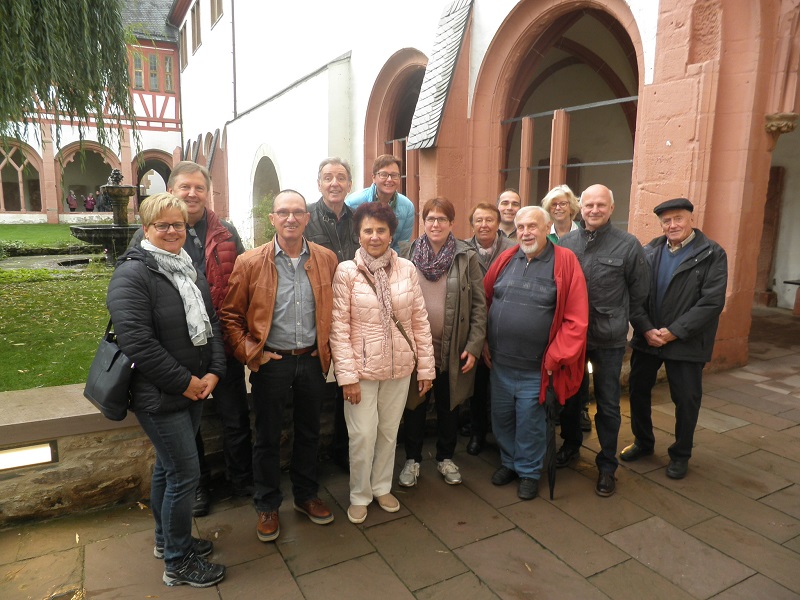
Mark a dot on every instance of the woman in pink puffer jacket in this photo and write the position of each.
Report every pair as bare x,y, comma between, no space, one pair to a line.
374,355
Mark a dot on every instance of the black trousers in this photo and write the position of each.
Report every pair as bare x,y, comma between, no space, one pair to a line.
479,403
446,422
686,389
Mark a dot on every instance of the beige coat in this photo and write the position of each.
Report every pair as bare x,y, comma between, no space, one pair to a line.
359,350
464,321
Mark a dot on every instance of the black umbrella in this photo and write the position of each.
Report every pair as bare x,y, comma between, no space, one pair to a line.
552,410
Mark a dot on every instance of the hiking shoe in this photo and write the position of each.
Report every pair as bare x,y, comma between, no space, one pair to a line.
449,471
200,547
202,501
409,474
195,571
528,488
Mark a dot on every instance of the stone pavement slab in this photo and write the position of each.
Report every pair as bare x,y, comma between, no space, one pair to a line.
463,587
777,442
735,474
414,553
757,586
749,548
724,444
707,419
632,580
234,535
688,563
45,576
266,576
786,500
364,578
515,566
724,501
575,544
774,464
467,518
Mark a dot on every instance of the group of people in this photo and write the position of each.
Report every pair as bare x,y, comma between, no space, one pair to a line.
343,305
98,200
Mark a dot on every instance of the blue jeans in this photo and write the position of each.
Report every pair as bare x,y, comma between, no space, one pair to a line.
175,477
301,379
606,368
518,420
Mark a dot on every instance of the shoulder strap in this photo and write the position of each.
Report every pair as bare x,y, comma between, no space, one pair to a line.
396,321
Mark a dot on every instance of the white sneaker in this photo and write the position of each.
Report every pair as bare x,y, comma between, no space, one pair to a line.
449,471
409,474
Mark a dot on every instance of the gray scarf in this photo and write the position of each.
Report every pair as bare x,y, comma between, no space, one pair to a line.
179,270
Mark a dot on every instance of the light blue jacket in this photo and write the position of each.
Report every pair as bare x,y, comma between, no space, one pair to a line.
403,209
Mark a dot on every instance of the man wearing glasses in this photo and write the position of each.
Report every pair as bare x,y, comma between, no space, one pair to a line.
277,319
385,183
213,245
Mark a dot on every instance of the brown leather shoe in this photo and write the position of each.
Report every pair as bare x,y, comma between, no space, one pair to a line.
269,528
316,510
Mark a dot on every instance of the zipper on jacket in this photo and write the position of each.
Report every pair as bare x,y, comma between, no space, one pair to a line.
364,352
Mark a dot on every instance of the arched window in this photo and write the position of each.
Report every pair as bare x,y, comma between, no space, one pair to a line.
20,175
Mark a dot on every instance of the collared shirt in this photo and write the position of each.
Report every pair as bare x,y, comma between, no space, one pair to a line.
293,323
522,310
195,244
683,244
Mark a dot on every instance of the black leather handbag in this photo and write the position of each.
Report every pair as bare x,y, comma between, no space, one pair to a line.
108,384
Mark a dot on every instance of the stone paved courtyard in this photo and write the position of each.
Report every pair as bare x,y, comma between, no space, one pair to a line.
730,530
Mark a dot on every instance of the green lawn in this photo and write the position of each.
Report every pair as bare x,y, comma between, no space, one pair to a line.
45,234
50,325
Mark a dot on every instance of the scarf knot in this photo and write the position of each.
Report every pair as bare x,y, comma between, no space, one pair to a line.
433,265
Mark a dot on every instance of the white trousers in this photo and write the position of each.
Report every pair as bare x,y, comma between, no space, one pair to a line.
372,426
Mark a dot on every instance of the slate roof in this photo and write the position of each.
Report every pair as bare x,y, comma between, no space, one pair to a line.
148,19
438,75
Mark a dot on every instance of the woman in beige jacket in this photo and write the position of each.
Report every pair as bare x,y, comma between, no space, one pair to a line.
379,335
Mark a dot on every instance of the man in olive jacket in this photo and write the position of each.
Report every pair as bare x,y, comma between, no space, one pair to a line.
676,327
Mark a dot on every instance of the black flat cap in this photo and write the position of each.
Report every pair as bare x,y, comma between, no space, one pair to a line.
674,204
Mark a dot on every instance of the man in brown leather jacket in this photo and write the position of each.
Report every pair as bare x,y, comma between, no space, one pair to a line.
277,319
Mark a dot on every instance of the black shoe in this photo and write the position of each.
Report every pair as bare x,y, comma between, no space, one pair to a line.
606,484
194,571
466,430
503,476
475,445
200,547
677,469
202,501
586,422
565,455
634,452
528,488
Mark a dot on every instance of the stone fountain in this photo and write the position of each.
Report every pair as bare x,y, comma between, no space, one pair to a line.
113,238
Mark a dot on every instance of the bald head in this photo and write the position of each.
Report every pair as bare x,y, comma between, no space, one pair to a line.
597,205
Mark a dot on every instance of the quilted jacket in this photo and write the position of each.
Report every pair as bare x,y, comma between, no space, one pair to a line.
150,323
357,342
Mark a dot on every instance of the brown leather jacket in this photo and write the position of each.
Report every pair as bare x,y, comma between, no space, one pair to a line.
246,313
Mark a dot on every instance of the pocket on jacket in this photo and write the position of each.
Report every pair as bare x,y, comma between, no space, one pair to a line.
608,323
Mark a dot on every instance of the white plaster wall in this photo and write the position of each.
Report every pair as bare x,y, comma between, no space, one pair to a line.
292,131
207,81
372,33
787,250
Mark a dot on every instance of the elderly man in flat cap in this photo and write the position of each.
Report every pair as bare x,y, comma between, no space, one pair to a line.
676,327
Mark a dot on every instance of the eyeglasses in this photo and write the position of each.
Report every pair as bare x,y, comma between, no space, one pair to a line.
383,176
437,220
563,204
162,227
284,214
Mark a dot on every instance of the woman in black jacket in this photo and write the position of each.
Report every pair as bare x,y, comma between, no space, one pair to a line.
165,323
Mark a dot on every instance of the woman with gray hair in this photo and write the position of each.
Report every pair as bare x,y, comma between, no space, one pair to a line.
563,207
165,323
